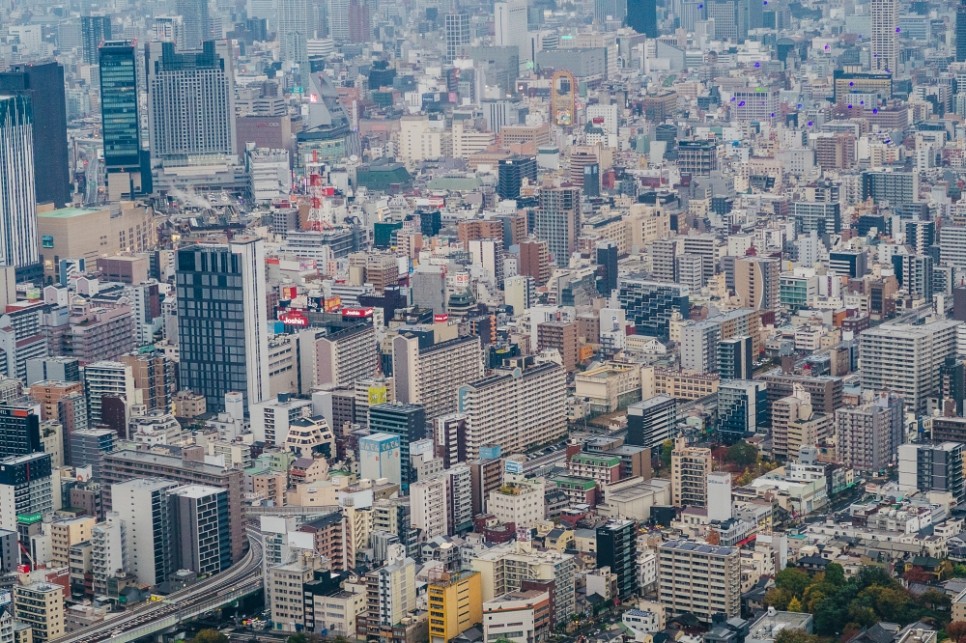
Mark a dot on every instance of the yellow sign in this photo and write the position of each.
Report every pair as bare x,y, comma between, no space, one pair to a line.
378,395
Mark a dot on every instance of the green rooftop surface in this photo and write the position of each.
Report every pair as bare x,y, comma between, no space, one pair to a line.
66,213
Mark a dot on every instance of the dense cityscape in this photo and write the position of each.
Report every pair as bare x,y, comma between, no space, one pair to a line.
476,321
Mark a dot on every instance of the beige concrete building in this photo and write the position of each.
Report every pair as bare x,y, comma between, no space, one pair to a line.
609,387
690,467
286,596
81,233
699,578
64,534
503,567
40,605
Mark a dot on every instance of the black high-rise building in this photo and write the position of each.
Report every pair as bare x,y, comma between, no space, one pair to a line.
642,17
512,171
127,165
95,30
606,268
617,549
961,33
19,430
408,421
44,83
222,320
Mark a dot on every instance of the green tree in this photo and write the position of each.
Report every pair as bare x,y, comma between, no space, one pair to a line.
793,580
934,600
667,447
778,598
742,454
834,574
209,636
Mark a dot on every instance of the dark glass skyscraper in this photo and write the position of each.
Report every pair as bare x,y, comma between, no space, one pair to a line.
94,31
617,549
961,33
222,320
642,17
512,171
44,83
128,173
408,421
19,430
119,106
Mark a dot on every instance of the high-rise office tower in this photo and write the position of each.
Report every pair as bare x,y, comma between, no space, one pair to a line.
617,549
735,360
201,528
510,27
456,26
293,35
223,330
609,9
558,220
691,12
338,14
127,165
727,21
196,21
885,35
19,429
649,422
360,24
88,447
26,487
915,275
961,32
95,30
742,408
18,205
408,421
512,171
127,465
191,102
920,235
607,272
143,505
650,304
44,84
642,17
